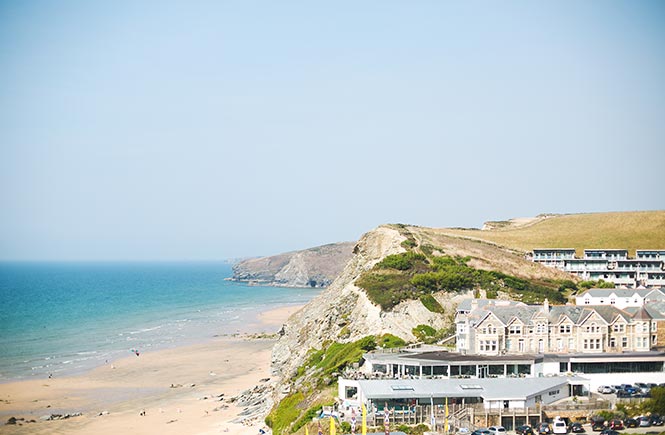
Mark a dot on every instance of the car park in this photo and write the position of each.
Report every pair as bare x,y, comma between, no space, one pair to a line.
497,430
577,427
524,429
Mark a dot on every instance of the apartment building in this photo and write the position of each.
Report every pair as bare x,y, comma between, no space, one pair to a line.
613,265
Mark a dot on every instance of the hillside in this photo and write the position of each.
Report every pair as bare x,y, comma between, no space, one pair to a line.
628,230
314,267
403,283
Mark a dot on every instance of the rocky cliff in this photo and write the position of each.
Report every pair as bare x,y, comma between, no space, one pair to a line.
344,307
315,267
343,304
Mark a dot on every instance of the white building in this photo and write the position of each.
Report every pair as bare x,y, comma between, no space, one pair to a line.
619,297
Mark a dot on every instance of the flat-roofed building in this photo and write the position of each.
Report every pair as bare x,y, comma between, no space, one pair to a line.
606,254
646,254
553,257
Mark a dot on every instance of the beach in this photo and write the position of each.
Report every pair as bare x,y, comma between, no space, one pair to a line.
184,390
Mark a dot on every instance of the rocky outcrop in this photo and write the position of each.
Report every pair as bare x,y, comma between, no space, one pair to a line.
315,267
345,305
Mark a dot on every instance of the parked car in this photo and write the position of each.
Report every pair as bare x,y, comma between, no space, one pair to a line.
577,427
609,432
481,431
543,428
656,420
559,427
606,389
597,423
644,421
616,424
497,430
630,422
524,429
623,394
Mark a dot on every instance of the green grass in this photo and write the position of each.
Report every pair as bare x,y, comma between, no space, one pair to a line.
286,411
621,230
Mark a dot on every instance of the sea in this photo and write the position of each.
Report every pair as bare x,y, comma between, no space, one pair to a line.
66,318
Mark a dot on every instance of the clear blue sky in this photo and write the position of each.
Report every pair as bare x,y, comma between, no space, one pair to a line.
213,129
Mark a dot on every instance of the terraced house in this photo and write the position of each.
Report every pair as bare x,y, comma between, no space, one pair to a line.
486,328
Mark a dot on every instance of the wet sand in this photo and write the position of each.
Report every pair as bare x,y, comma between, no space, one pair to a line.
178,389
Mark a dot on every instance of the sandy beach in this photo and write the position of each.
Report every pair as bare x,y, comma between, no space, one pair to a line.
186,390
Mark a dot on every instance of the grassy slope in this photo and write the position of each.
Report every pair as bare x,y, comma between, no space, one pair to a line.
628,230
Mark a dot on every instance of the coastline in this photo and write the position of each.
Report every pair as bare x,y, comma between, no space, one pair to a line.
183,390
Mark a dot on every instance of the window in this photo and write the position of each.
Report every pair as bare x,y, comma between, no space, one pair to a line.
351,392
564,329
541,345
592,344
587,301
540,328
593,328
488,345
613,342
571,344
612,301
515,329
624,342
559,344
619,327
490,329
654,340
638,327
520,345
461,328
654,326
553,392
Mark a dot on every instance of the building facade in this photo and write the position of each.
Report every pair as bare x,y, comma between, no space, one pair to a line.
612,265
539,329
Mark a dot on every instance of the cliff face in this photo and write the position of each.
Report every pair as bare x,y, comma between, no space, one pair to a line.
315,267
345,305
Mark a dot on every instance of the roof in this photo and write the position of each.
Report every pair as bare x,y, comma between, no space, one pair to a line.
619,292
487,388
465,305
458,358
642,314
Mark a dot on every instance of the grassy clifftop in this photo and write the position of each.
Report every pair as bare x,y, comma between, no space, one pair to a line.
628,230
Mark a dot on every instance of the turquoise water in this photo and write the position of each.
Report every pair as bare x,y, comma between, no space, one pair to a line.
64,318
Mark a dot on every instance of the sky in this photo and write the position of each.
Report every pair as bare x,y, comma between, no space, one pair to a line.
205,130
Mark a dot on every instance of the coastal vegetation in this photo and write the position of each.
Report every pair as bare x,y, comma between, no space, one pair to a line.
315,383
415,275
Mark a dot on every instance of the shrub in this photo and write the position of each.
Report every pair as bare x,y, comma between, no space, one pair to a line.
389,341
423,332
403,261
431,304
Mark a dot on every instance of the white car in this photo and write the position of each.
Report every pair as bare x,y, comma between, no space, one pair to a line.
497,430
605,389
559,427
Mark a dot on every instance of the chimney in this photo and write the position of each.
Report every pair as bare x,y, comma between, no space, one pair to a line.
474,304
